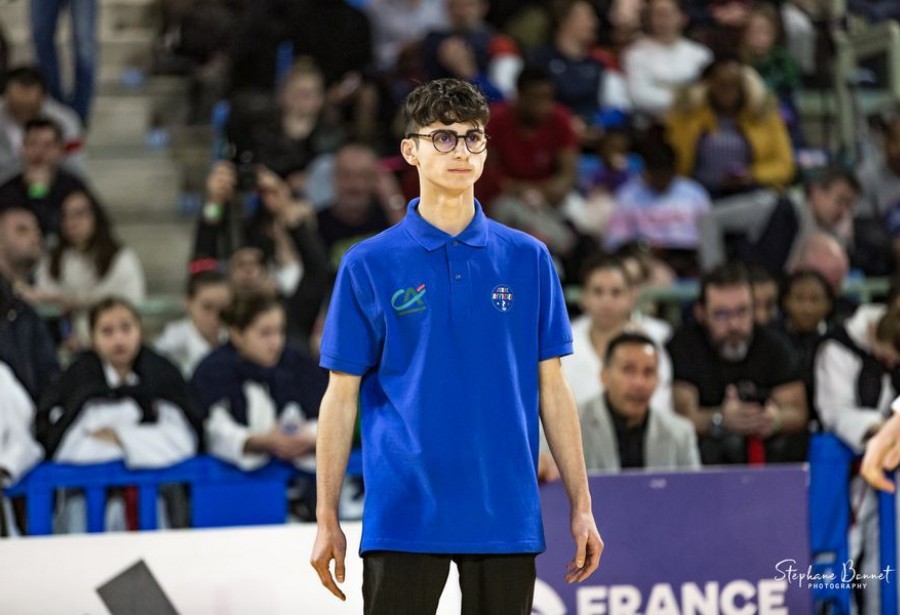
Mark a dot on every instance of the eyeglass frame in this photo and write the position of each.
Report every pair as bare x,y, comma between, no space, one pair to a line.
456,136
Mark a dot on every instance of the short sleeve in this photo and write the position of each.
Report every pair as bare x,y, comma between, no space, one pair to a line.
554,331
351,340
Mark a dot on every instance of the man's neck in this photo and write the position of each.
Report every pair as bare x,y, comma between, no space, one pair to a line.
630,421
450,213
571,48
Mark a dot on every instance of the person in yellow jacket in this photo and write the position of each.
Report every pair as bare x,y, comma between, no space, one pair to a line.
727,132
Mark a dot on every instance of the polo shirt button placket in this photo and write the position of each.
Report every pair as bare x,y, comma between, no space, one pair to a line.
457,277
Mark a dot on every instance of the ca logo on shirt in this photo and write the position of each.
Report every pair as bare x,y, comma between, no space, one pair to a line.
409,300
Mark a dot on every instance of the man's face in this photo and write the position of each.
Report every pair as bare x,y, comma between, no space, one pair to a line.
607,298
630,378
726,89
535,103
20,239
24,101
765,302
40,147
832,204
451,172
465,14
247,272
665,19
728,318
581,23
302,95
355,177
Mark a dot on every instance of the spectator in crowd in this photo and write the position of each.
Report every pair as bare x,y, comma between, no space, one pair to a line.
86,265
857,375
25,99
117,401
877,232
399,24
728,134
718,23
623,428
821,252
18,450
260,396
471,49
736,381
608,301
186,341
645,270
85,47
42,184
769,229
305,128
664,61
357,211
21,246
25,344
279,251
764,287
616,164
583,82
661,209
535,151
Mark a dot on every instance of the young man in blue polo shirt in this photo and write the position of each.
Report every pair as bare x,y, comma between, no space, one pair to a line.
446,331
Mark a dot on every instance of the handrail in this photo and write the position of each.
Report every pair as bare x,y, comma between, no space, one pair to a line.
221,494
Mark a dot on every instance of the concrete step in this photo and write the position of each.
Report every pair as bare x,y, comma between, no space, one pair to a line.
114,16
120,120
164,247
145,183
119,50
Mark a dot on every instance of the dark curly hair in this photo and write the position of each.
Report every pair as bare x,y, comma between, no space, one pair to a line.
445,100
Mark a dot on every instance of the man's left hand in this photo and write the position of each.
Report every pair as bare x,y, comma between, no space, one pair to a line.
588,547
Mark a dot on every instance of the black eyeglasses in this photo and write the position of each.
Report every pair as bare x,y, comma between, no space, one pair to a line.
445,141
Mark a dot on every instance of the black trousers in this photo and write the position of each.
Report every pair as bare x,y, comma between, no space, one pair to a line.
397,583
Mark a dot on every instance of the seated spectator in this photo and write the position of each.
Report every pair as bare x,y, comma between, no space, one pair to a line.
822,253
398,24
764,287
534,151
186,341
87,264
24,99
664,61
876,246
260,397
25,344
623,428
118,401
42,184
728,134
357,211
718,23
584,83
21,247
279,251
472,50
18,450
857,375
304,128
660,209
736,381
768,229
616,165
608,301
645,271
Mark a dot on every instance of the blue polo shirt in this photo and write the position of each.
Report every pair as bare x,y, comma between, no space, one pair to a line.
447,333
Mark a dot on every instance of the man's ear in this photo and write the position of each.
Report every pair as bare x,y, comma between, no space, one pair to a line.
408,150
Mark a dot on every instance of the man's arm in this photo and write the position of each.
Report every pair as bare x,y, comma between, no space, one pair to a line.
790,412
561,426
337,419
883,453
556,188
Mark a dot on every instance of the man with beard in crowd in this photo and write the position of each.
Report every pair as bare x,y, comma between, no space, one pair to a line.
737,382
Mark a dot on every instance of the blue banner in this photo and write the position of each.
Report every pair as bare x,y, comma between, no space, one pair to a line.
716,542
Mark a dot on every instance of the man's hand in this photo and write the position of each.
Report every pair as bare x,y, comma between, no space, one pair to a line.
457,57
738,416
882,453
331,544
769,421
107,435
220,183
547,469
588,547
290,446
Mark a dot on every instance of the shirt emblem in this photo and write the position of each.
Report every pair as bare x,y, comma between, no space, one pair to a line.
408,300
502,298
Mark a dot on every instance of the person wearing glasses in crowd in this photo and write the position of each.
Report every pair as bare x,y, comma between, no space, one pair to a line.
446,332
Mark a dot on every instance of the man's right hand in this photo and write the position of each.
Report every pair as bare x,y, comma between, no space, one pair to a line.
882,453
331,544
221,182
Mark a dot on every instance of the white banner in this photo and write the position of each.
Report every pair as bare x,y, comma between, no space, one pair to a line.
244,571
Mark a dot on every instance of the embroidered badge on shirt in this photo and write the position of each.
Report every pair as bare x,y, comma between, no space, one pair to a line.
409,300
502,297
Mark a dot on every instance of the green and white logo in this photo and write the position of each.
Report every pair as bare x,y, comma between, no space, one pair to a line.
408,300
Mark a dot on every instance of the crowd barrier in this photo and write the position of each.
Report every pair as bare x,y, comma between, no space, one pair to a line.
222,496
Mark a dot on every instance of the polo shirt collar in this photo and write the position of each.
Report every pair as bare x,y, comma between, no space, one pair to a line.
432,238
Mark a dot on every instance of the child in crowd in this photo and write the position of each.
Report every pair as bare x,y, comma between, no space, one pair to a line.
188,340
118,401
